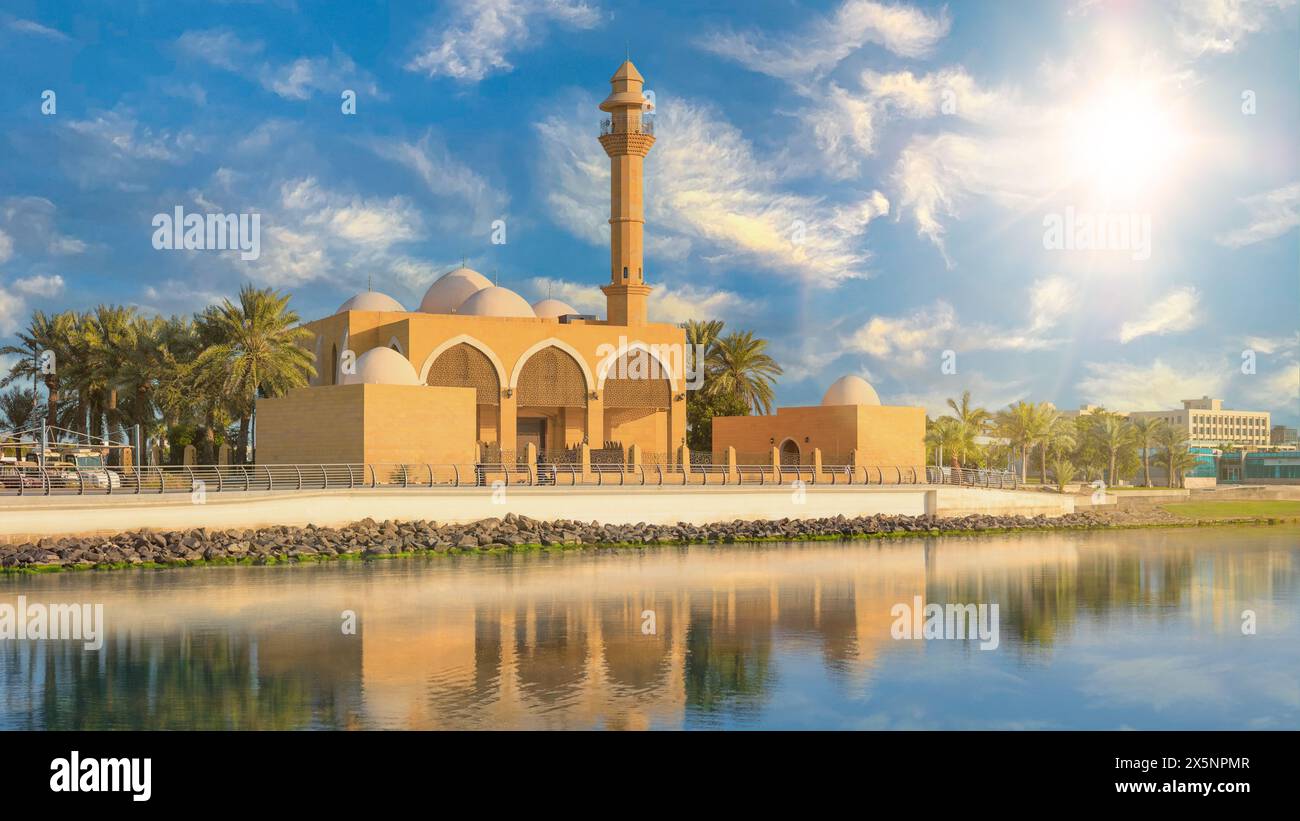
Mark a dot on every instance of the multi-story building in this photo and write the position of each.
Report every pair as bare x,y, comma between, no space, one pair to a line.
1283,435
1207,422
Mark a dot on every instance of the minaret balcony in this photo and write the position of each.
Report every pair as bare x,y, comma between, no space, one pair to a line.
609,126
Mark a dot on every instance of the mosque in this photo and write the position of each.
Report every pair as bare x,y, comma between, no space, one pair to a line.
477,374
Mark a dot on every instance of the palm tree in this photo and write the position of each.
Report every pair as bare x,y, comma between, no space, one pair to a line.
1173,441
1146,430
1062,471
43,333
1019,425
1058,438
742,368
108,337
19,408
257,350
971,422
1114,434
943,434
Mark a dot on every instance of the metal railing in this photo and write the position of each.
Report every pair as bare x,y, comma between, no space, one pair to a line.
23,480
609,126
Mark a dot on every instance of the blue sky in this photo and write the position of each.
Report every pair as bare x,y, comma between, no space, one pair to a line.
867,185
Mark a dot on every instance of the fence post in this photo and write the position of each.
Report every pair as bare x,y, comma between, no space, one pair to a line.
684,460
817,464
731,466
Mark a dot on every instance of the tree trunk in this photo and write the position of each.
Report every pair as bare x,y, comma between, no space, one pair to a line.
241,451
1042,464
1146,468
210,439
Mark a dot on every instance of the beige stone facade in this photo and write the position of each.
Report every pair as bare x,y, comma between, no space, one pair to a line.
540,375
877,436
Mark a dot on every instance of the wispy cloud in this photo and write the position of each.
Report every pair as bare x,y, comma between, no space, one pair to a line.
1176,312
1221,26
710,187
667,303
820,46
1272,214
1127,386
445,177
480,35
297,79
31,27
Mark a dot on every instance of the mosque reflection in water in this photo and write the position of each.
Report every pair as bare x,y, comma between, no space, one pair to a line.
665,638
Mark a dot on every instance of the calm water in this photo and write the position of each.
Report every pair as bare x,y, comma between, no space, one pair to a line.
1104,630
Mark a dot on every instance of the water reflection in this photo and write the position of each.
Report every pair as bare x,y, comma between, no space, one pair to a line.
1131,629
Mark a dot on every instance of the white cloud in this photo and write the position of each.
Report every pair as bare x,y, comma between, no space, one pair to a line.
1272,214
666,304
1178,311
1220,26
820,46
1124,386
480,34
907,339
918,337
41,285
32,27
935,174
705,184
29,225
295,80
119,134
446,177
13,310
219,47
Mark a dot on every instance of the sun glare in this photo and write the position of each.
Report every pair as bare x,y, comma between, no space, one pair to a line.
1123,143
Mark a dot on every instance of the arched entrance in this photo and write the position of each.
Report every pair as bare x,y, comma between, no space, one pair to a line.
638,403
465,366
551,395
790,452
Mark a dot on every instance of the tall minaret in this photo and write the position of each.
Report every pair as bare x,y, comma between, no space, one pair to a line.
626,140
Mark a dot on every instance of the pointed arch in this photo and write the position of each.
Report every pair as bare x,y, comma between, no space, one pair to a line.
552,342
666,369
465,339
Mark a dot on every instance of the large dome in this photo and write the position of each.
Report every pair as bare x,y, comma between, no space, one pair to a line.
451,289
382,366
371,301
552,308
850,390
496,301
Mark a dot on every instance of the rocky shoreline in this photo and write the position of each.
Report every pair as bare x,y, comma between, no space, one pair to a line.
368,538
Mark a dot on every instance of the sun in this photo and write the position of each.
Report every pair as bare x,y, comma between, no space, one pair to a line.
1123,142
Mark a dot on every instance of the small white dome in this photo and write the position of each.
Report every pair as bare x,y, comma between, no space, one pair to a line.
496,301
451,289
850,390
371,301
551,308
382,366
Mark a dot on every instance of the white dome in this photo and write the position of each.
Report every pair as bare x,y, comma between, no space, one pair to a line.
451,289
371,301
382,366
850,390
551,308
496,301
